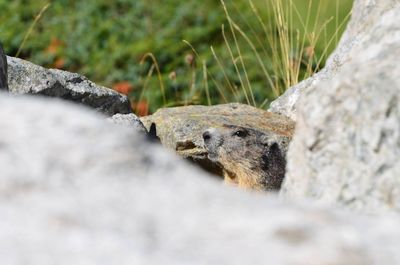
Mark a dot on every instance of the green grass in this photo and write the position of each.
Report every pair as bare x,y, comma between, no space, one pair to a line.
290,42
179,52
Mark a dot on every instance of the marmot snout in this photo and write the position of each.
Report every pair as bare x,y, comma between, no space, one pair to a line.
250,159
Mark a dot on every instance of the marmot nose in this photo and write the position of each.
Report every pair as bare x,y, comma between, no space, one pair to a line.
206,136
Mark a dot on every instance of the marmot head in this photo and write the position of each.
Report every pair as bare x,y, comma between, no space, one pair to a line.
250,158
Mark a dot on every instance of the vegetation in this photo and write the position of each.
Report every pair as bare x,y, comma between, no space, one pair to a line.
166,53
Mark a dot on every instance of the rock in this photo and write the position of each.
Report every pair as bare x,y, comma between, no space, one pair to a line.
364,14
128,120
3,70
286,103
346,147
27,78
181,128
72,191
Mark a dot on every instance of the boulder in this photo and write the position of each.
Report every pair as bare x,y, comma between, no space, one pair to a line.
181,128
346,147
27,78
128,120
365,13
75,191
3,70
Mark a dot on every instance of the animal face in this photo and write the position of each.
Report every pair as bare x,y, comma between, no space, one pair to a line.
231,138
249,157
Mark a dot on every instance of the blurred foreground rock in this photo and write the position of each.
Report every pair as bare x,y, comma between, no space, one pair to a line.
181,129
346,147
72,191
365,14
27,78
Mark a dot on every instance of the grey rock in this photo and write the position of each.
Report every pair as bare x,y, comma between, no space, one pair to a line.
3,70
365,13
72,192
27,78
286,104
346,147
128,120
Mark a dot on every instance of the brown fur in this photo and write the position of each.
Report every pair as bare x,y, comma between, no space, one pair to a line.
250,159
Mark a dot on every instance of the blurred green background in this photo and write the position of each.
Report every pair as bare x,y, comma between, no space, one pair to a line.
276,45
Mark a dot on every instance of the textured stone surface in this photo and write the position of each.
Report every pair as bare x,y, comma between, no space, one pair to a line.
346,147
75,191
181,128
364,14
3,70
286,104
128,120
27,78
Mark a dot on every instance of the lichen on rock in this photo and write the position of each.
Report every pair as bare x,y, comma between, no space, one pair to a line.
346,147
27,78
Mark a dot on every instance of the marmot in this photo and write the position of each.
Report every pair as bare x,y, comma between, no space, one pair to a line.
250,159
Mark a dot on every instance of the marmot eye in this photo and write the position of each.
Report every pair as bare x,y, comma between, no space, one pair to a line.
240,133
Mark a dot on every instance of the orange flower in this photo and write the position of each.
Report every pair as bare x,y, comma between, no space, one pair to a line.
59,63
124,87
54,46
141,108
